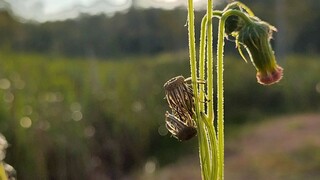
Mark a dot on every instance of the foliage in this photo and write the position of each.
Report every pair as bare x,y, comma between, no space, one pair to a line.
149,31
92,118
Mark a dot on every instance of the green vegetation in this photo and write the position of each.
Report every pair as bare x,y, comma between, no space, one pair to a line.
149,31
79,117
81,98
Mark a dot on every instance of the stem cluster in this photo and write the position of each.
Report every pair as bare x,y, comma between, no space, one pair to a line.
211,143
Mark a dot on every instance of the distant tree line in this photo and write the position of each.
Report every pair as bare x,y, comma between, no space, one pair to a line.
149,31
135,32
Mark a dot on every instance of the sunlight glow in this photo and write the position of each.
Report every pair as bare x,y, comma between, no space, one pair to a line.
49,10
150,167
25,122
76,115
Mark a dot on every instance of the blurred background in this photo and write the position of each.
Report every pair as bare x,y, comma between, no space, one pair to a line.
81,91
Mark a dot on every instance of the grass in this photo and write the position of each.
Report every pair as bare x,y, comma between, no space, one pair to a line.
123,95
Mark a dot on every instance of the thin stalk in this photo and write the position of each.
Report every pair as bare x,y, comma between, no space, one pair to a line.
239,4
210,61
210,112
213,147
220,111
203,146
192,53
220,90
238,13
202,57
208,132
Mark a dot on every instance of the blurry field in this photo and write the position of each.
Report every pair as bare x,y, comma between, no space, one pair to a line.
286,147
104,118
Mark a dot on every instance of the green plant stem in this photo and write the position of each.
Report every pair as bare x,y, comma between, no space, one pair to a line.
210,118
203,33
203,146
210,61
207,134
203,149
202,60
239,4
192,52
210,109
209,147
220,111
212,141
220,87
238,13
211,152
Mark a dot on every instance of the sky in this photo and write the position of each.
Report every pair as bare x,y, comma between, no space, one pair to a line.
51,10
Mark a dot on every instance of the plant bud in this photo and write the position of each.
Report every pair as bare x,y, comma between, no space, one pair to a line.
255,37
